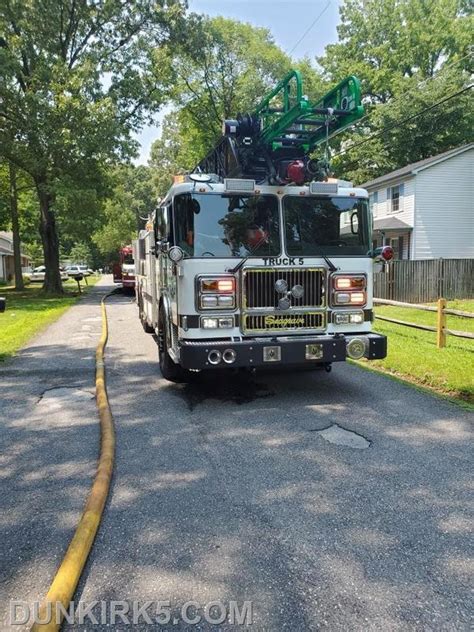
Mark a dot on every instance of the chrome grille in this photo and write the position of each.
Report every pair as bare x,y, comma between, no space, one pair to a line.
288,321
259,287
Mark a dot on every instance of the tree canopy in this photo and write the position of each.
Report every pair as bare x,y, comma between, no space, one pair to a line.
222,68
77,79
131,199
408,54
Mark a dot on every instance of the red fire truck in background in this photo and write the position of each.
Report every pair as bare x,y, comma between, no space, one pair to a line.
124,269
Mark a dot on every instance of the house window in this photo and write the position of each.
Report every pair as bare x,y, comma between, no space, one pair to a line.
395,195
374,198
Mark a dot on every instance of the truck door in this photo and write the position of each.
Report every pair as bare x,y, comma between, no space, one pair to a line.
165,270
150,275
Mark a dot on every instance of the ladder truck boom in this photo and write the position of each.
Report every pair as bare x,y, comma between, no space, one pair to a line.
284,129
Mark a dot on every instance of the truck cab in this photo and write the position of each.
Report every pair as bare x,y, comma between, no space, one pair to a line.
235,274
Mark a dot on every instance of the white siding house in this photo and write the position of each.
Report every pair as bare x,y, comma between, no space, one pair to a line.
7,267
426,210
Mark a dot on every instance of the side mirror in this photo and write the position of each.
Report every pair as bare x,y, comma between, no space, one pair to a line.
354,224
3,304
163,247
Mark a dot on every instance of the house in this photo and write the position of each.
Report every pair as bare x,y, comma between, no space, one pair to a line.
426,209
7,268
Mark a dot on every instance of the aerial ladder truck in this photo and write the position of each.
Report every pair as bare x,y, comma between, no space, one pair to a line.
258,258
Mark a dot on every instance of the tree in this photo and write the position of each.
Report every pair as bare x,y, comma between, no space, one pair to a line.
170,154
35,252
14,188
76,80
81,254
408,55
4,196
130,202
223,67
15,227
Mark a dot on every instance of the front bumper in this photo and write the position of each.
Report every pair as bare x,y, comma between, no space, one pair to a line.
287,351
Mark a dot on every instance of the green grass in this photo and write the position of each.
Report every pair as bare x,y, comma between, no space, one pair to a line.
413,355
466,305
30,311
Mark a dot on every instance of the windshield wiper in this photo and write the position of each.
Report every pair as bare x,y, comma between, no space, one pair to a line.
328,261
253,251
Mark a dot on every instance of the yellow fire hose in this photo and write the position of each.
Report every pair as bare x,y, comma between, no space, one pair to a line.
69,572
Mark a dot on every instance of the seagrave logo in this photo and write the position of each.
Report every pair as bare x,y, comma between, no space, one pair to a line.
283,321
131,613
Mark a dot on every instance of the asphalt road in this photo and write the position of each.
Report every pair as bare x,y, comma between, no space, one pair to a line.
226,490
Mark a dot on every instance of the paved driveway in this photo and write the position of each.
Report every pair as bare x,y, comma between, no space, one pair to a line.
229,490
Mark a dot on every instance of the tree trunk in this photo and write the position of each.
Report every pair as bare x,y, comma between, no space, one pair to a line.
52,280
15,228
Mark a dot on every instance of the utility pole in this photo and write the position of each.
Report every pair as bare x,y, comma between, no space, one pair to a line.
15,228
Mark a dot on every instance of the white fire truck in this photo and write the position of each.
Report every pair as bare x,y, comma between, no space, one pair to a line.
258,259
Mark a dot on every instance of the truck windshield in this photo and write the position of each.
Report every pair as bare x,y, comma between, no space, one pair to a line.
214,225
329,226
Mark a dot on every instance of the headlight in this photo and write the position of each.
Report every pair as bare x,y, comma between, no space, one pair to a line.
357,298
216,292
225,301
217,323
213,301
342,298
354,288
209,323
349,282
226,323
348,318
349,298
224,285
208,302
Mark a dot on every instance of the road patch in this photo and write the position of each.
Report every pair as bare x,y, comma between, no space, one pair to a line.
340,436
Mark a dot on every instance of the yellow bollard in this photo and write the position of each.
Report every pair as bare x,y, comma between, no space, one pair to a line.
441,333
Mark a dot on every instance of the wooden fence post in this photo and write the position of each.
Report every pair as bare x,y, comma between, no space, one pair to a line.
441,291
441,333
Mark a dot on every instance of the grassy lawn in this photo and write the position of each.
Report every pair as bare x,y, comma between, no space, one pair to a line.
413,355
30,311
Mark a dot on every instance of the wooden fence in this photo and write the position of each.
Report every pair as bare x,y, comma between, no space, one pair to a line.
425,281
442,310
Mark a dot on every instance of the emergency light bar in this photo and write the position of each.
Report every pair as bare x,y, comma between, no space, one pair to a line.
323,188
237,184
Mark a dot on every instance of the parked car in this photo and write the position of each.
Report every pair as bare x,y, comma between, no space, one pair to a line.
38,274
78,270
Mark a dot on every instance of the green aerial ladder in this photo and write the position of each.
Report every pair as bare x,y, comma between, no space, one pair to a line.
275,142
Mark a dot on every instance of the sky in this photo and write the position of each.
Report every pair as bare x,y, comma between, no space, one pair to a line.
289,21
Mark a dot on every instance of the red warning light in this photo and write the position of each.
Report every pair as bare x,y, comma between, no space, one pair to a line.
296,172
387,253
